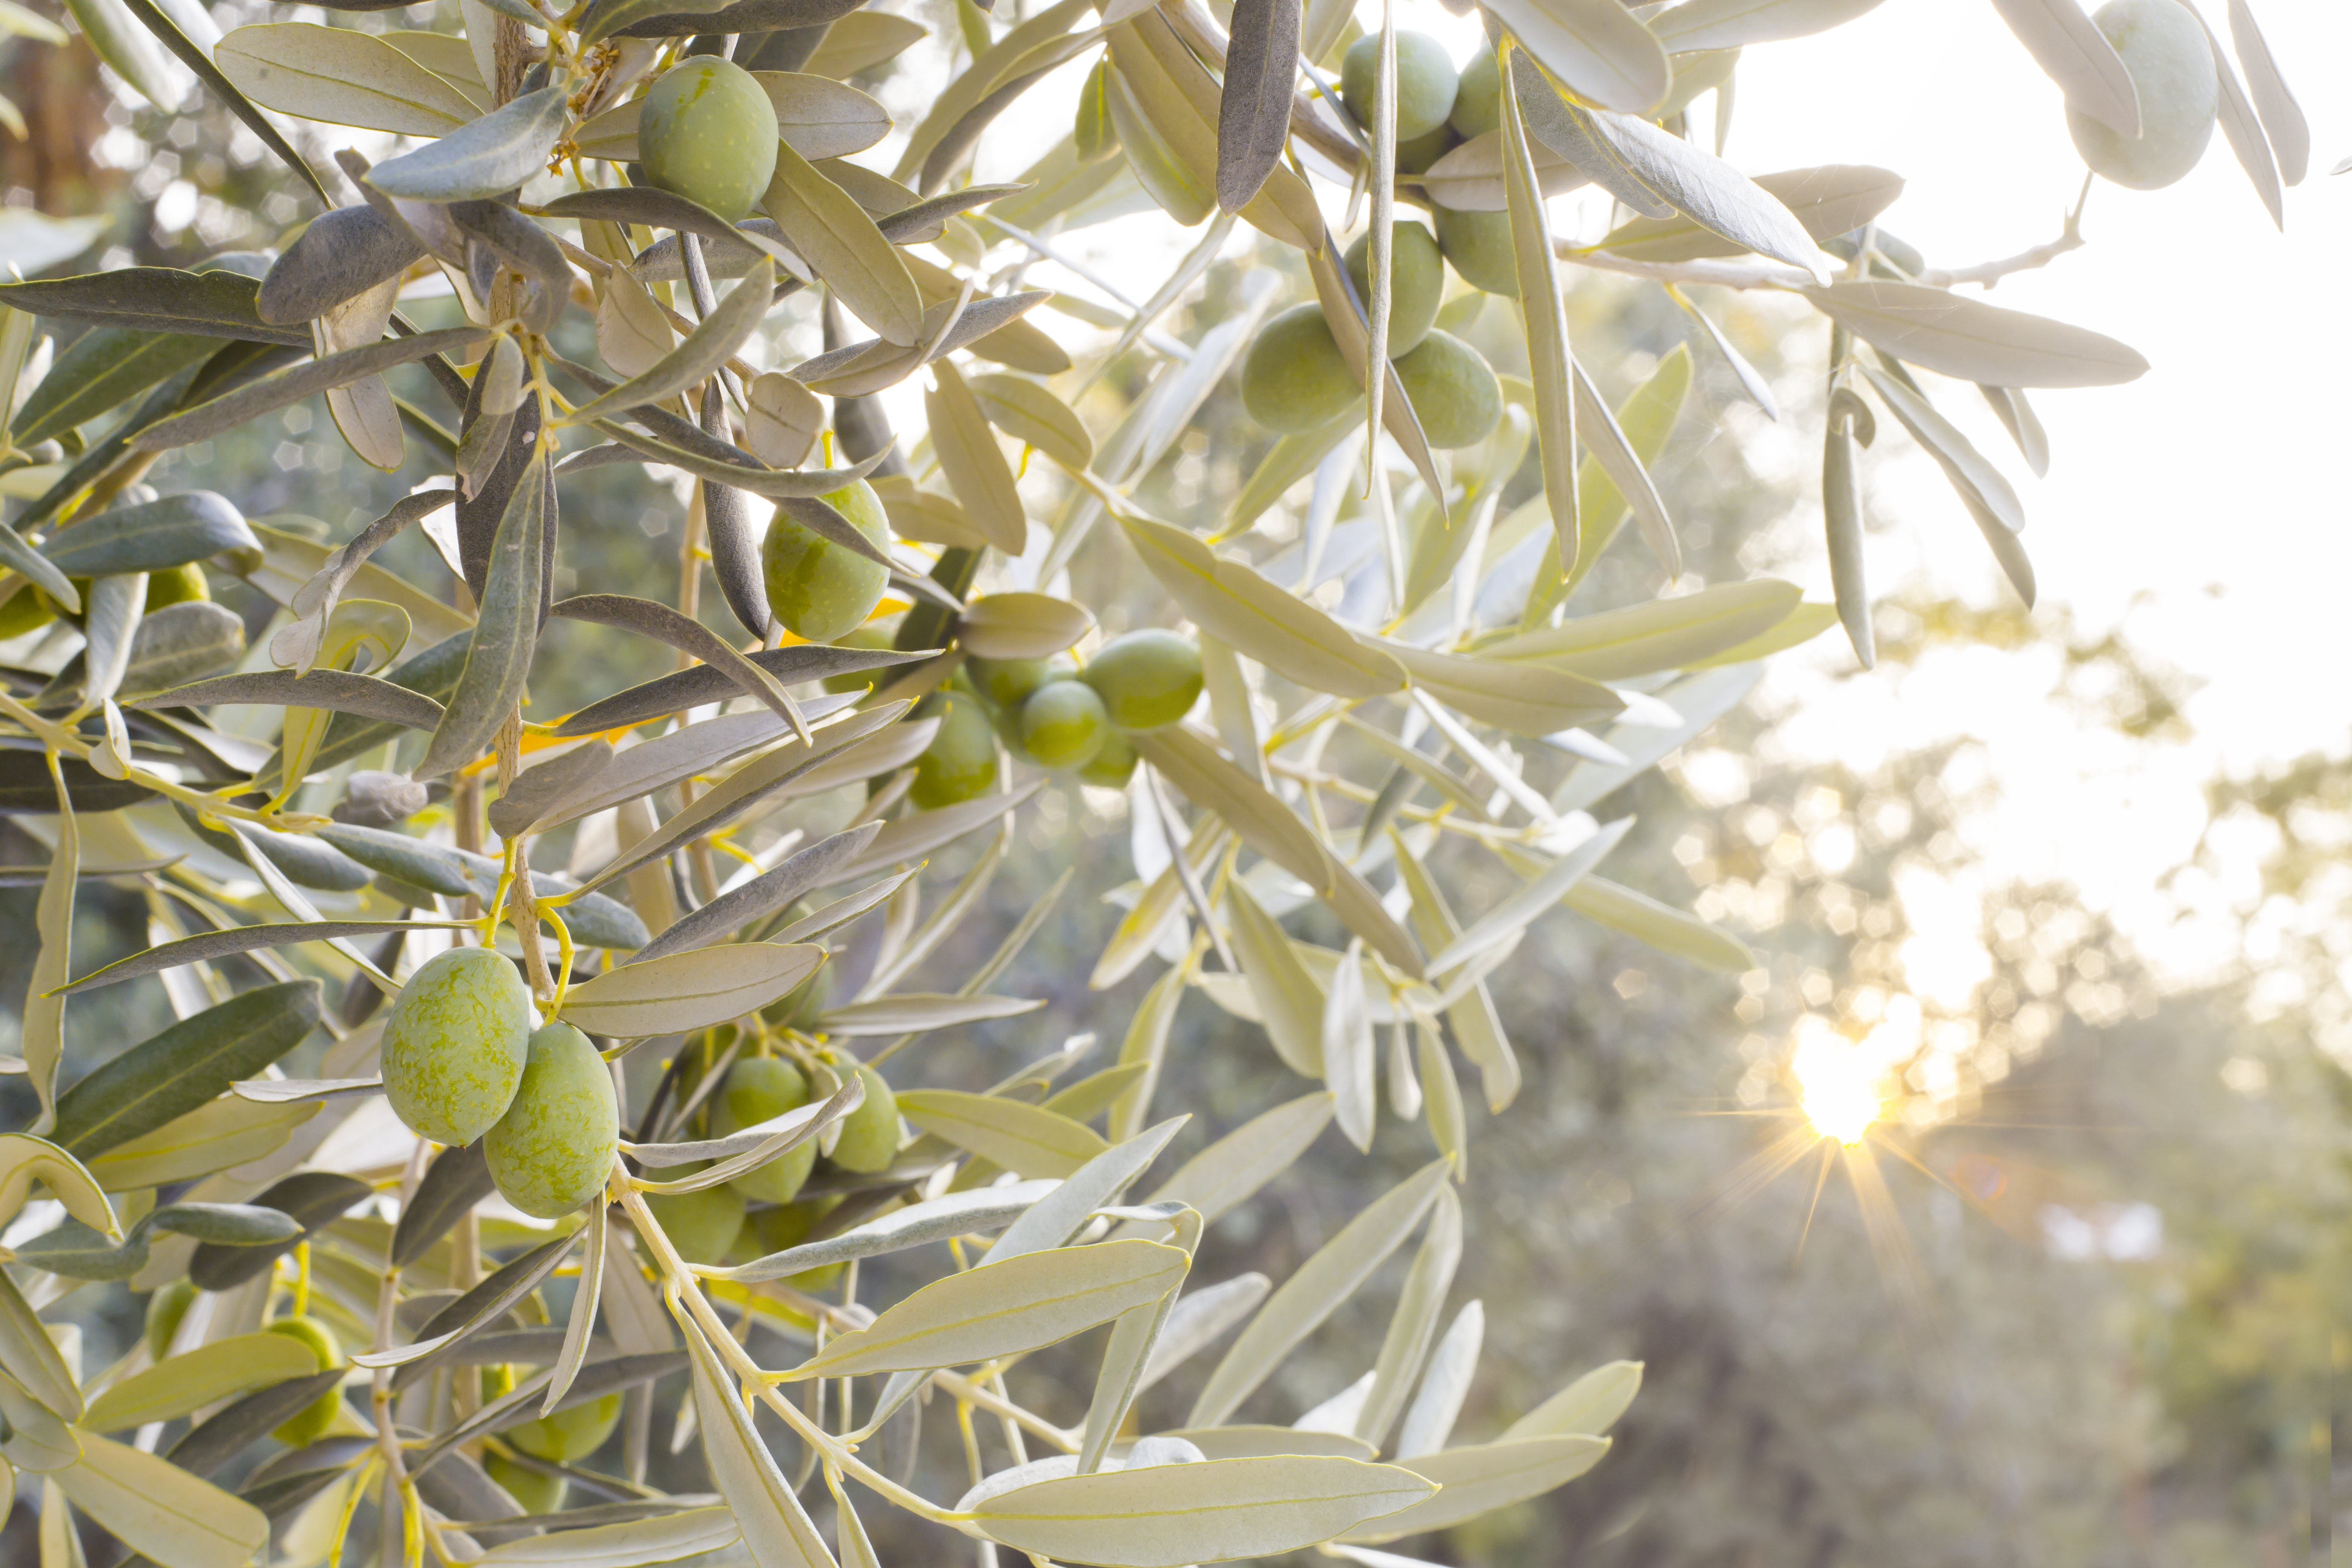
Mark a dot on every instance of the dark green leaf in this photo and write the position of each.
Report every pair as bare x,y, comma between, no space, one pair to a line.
730,912
156,300
211,1443
456,1181
343,254
152,537
180,642
1254,110
105,366
212,944
594,920
668,694
309,1198
506,637
339,691
193,1061
296,382
485,158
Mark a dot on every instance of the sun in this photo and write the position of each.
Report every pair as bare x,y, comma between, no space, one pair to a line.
1837,1087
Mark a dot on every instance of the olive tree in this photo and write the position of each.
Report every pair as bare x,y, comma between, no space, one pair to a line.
573,1149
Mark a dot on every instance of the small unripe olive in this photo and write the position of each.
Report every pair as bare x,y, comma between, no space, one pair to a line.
1147,678
1426,82
568,1435
961,762
1415,156
1479,247
758,1091
869,1134
1294,379
2164,49
708,132
1113,765
1453,390
176,586
820,590
1007,682
1416,283
165,1308
1062,724
1478,101
553,1149
535,1492
700,1225
307,1426
455,1046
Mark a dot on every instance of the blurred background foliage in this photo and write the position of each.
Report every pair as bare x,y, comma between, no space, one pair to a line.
2077,1297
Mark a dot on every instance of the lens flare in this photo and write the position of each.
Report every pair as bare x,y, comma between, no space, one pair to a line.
1837,1087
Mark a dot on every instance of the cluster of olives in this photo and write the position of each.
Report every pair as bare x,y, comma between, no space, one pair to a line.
566,1437
2164,49
1294,379
1060,716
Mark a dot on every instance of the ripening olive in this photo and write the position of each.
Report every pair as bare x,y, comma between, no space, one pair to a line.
165,1308
1294,380
700,1225
758,1091
176,586
1425,82
1147,678
869,1134
2164,49
568,1435
1007,682
455,1046
535,1492
1478,101
867,635
961,762
820,590
1453,390
1063,725
552,1149
1415,156
1479,247
309,1423
24,610
1416,283
708,132
1113,765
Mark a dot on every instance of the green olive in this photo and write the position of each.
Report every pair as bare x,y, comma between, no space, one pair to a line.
804,1002
708,132
535,1490
1007,682
455,1046
1416,282
868,635
1478,101
700,1225
1479,247
29,608
1147,678
25,608
1063,725
553,1149
1453,391
308,1426
1425,82
2164,49
758,1090
961,762
1294,379
568,1435
176,586
165,1308
1415,156
1113,765
869,1134
820,590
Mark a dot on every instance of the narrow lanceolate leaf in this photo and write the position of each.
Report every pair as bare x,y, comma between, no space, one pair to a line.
29,1355
1336,1270
1595,47
1254,110
1614,452
207,945
470,1313
1348,1057
1228,1172
1971,473
582,1324
2074,53
2281,116
1540,893
2243,129
1165,1516
1732,24
1004,1309
1664,634
342,76
41,1038
1476,1480
731,911
103,368
156,300
1023,1138
24,1160
686,991
192,1062
1661,926
1201,1318
1587,1408
727,327
1842,518
913,1011
153,536
776,1530
498,663
973,463
689,1533
1029,411
1452,1365
1021,626
935,1219
205,1375
1545,311
298,382
1415,1322
1707,191
1290,1004
837,239
1940,331
482,158
650,617
159,1510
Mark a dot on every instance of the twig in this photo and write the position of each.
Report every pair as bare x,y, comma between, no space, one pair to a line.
1988,273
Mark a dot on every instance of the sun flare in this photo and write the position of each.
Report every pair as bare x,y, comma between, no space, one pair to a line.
1837,1087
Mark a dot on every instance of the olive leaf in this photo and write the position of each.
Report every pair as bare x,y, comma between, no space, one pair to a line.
497,661
2074,53
214,304
1940,331
165,1077
481,159
340,77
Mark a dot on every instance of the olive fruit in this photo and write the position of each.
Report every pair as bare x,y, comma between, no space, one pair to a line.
961,762
24,609
553,1148
820,590
1147,678
176,585
708,132
869,1134
307,1426
568,1435
1425,82
1415,156
455,1046
535,1490
165,1308
1113,765
758,1091
1416,283
1479,247
1007,682
1062,724
1294,379
1478,101
2164,51
700,1225
1453,390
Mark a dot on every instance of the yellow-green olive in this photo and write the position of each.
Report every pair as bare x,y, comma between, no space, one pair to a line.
961,762
568,1435
1415,156
708,132
1294,379
455,1046
1113,765
1007,682
1453,390
535,1492
820,590
1479,247
1426,82
1146,679
1416,282
758,1091
165,1308
2164,49
1062,724
869,1134
553,1149
700,1225
1478,101
309,1425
